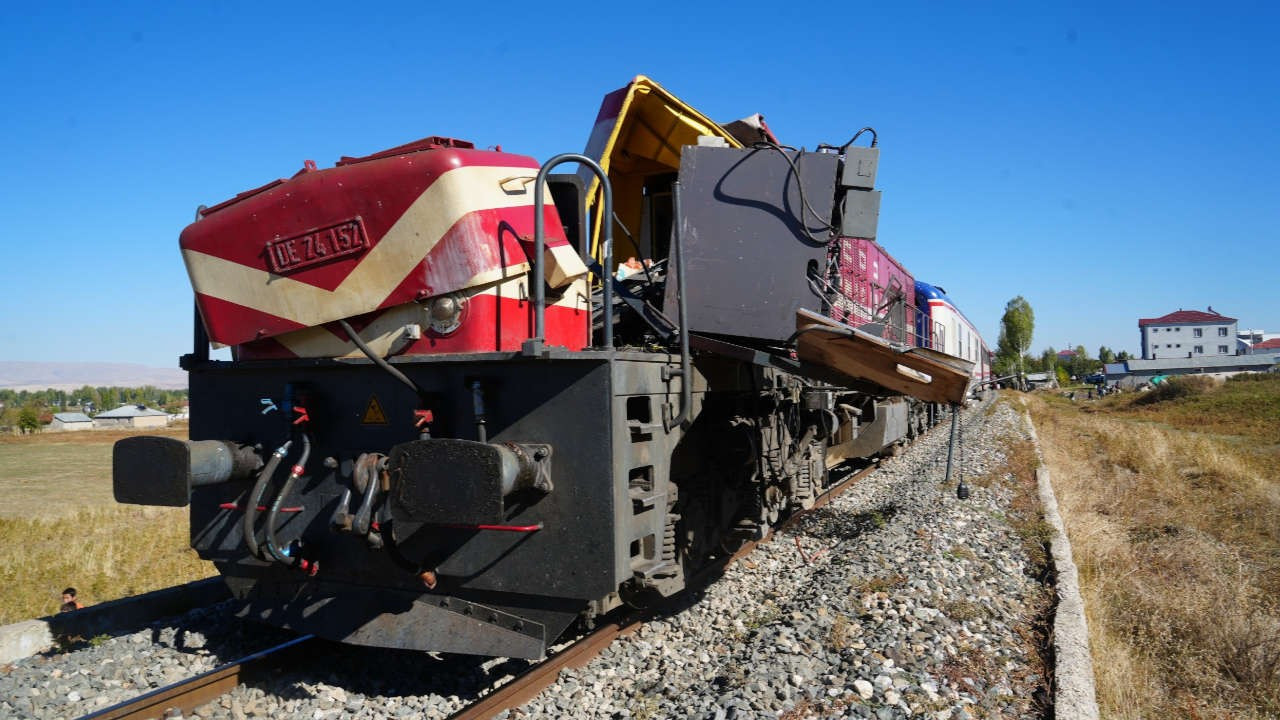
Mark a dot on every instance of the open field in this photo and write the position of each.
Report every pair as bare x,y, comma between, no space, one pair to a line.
1172,505
61,527
53,474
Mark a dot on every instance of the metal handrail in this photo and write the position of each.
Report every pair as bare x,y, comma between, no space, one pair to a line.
539,241
686,363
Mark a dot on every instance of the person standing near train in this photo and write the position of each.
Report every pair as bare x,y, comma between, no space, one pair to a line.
69,601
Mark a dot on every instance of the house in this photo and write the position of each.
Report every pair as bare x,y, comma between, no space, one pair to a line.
1265,346
1223,366
70,421
1041,380
131,416
1115,371
1188,334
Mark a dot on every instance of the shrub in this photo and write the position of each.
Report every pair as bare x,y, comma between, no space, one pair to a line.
1176,388
1263,377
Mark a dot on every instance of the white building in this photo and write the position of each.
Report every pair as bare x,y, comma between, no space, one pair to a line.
1188,334
70,421
137,416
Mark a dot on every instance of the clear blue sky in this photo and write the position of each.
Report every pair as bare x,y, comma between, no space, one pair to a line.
1107,162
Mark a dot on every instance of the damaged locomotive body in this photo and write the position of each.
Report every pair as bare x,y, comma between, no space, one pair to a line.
443,431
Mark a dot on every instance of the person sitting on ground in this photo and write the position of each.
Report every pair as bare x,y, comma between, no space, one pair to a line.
69,601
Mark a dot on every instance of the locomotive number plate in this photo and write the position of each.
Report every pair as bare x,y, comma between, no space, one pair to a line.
322,245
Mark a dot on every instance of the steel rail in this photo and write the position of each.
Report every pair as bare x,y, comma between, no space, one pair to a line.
527,685
187,695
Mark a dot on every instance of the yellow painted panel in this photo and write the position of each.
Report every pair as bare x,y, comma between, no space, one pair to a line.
651,127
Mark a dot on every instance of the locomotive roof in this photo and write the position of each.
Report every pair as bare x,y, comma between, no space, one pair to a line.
933,292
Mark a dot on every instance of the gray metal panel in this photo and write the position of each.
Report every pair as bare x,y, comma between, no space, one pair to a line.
746,249
860,214
860,165
888,426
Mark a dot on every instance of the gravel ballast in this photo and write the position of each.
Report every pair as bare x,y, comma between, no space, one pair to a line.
895,600
917,604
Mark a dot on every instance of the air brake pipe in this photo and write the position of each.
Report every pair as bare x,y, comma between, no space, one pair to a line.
273,545
367,467
686,369
539,244
255,497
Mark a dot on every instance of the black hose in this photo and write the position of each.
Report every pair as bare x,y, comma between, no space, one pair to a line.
255,497
273,545
369,353
804,202
842,149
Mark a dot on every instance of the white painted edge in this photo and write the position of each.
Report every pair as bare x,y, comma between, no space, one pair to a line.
1075,695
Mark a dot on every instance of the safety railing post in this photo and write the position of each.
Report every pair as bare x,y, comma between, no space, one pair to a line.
534,344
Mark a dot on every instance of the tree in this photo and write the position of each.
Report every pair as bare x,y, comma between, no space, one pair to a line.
1105,354
1123,356
1016,328
1049,359
1081,364
28,420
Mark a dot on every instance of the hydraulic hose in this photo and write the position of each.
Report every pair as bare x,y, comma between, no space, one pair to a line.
255,497
273,545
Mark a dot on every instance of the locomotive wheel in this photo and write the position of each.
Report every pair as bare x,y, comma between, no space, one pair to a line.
698,535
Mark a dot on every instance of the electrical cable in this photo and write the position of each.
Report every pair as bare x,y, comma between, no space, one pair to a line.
804,202
380,362
842,148
874,138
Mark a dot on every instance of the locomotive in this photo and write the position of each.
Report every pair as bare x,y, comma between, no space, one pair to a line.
456,420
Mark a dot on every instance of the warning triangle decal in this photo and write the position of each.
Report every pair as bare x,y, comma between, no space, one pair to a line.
373,414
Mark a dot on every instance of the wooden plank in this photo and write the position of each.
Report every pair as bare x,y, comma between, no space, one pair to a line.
919,372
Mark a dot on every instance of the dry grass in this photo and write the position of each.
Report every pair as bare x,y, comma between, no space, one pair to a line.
1246,406
1177,537
54,474
60,526
105,553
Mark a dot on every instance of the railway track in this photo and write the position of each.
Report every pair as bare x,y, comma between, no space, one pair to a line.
186,695
527,685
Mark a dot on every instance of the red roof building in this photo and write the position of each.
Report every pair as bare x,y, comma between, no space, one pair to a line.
1272,344
1188,334
1183,317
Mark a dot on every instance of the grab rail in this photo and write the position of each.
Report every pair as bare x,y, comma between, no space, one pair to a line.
533,346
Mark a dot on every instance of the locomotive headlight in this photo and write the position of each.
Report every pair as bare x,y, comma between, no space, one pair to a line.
445,313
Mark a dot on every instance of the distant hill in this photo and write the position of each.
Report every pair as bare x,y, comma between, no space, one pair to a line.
71,375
